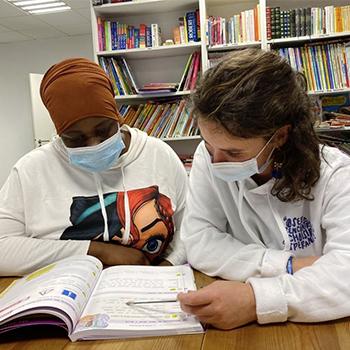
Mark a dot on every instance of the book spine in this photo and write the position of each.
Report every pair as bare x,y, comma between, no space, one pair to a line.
191,26
198,23
148,36
268,23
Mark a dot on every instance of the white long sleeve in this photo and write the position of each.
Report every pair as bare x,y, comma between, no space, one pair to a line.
20,253
210,247
322,291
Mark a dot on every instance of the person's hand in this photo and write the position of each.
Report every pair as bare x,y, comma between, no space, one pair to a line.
165,263
299,263
114,254
223,304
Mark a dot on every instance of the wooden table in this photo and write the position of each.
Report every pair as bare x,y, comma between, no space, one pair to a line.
328,336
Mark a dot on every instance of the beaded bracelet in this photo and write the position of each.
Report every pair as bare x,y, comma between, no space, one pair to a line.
290,265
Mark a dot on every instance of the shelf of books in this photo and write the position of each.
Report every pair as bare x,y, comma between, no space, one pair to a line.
168,121
242,28
152,52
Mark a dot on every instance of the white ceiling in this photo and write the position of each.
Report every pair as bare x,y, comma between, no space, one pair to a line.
16,25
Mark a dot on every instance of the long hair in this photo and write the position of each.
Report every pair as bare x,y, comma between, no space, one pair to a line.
252,93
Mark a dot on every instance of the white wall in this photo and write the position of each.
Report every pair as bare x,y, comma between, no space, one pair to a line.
17,60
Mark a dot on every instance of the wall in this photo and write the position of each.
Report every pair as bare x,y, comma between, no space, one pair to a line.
17,60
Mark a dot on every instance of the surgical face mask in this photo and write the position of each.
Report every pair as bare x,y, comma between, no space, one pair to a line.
99,157
235,171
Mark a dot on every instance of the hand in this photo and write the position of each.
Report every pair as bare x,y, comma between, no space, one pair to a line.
223,304
114,254
164,262
299,263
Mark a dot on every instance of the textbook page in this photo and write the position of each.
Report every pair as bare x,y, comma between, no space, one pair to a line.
107,314
61,289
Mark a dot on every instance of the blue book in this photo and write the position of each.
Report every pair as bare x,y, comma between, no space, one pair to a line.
137,37
315,67
116,77
148,37
191,26
114,34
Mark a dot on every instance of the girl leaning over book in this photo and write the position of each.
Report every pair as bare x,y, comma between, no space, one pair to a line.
268,206
100,188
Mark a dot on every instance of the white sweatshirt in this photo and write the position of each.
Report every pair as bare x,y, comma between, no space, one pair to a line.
50,209
239,231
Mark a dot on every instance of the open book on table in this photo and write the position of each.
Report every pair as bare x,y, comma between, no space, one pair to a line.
92,303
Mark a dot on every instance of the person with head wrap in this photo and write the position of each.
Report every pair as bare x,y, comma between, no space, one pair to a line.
99,188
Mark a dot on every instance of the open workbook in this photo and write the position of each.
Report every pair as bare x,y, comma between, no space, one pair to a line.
92,303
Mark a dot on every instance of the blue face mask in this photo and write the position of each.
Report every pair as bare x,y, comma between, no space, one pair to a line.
97,158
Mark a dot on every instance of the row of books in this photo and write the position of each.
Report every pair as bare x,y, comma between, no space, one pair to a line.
119,73
124,82
189,29
113,35
243,27
306,21
162,120
326,66
191,72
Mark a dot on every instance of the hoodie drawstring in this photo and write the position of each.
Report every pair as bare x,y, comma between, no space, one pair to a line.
126,233
103,207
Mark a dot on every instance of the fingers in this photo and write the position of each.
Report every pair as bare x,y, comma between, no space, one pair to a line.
195,298
199,311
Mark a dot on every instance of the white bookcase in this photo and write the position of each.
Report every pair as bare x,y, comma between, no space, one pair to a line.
166,63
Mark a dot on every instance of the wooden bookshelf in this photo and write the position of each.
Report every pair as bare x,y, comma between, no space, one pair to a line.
144,7
142,98
166,63
152,52
228,47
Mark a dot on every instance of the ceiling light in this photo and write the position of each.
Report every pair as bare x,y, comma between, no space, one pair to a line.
51,10
37,7
31,2
43,6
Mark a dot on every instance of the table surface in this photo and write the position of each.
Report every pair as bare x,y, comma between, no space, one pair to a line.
332,335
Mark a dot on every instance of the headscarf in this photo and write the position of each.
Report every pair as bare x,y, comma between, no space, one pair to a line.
75,89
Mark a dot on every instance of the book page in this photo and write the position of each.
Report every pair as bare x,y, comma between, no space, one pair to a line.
107,308
65,285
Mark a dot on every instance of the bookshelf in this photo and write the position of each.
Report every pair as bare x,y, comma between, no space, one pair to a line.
166,63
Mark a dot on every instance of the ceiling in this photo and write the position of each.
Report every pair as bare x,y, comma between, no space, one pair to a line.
16,25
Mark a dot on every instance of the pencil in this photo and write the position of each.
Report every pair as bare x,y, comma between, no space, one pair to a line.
151,301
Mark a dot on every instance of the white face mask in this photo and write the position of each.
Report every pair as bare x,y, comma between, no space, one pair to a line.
235,171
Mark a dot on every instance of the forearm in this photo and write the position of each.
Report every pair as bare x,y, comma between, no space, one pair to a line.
22,255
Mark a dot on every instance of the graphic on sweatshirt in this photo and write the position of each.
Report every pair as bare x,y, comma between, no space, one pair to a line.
300,232
151,215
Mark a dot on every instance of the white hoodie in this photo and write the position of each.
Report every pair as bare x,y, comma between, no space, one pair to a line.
50,210
239,231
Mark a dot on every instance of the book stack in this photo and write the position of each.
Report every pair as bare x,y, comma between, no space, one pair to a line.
240,28
326,66
119,73
156,88
306,21
113,35
187,160
188,29
191,72
162,120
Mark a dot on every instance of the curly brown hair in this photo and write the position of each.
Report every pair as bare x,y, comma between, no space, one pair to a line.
253,93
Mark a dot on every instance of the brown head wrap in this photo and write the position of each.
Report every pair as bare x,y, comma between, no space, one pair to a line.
75,89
